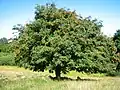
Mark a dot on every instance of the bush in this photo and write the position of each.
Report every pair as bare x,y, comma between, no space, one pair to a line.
4,54
6,48
7,59
113,73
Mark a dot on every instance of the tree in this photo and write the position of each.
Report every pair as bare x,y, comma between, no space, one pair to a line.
59,40
116,39
4,45
3,40
18,30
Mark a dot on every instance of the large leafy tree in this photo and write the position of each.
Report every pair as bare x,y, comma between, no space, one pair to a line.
59,40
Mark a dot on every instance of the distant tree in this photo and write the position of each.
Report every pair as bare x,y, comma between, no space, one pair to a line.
6,48
116,39
3,40
59,40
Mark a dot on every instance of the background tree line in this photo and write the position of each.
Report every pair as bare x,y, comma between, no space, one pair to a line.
6,53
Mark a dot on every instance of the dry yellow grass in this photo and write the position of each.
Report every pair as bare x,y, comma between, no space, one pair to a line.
14,78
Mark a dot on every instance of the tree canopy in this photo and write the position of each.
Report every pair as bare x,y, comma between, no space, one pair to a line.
60,40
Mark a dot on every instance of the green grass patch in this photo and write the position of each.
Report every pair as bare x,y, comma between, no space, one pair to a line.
82,74
42,83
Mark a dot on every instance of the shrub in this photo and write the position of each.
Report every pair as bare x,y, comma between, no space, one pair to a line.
113,73
7,59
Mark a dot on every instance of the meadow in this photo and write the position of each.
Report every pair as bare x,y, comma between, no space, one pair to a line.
14,78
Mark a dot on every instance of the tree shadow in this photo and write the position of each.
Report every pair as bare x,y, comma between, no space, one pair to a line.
70,79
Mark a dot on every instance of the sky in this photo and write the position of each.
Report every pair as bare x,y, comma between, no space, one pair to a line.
14,12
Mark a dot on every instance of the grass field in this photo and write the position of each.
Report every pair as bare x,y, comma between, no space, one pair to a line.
14,78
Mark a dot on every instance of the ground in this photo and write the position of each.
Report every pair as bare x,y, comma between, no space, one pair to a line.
14,78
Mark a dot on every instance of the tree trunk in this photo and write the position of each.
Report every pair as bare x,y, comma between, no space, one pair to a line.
58,71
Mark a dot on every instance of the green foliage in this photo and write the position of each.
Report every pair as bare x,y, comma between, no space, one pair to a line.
18,30
113,73
60,40
116,39
7,59
6,55
3,40
5,48
98,56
